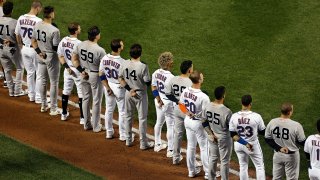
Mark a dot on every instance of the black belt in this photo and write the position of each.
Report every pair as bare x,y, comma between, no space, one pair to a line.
10,45
28,45
291,152
94,71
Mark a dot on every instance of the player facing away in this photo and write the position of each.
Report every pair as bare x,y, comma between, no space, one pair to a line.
164,107
71,75
23,31
2,74
134,76
284,135
216,123
312,151
195,101
45,41
244,127
10,52
173,90
86,58
109,68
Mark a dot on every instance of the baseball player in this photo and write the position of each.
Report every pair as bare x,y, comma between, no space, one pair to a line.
195,101
312,150
2,74
71,75
10,52
244,127
173,90
109,68
164,107
45,41
284,135
23,31
134,76
216,124
86,58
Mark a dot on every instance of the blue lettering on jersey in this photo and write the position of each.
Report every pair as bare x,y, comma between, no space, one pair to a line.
161,77
108,62
243,120
68,44
27,22
190,96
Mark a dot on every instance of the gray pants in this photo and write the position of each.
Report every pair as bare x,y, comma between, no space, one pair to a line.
10,57
141,105
222,150
287,164
179,130
49,69
92,89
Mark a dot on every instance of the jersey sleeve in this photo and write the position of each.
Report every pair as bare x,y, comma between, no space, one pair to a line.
268,134
231,124
146,74
228,117
168,87
307,145
300,133
17,29
101,67
34,33
261,125
153,79
56,38
60,49
76,50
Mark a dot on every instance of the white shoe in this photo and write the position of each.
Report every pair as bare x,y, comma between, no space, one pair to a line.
38,101
22,93
48,100
124,138
159,147
11,94
64,116
55,112
5,85
178,162
102,128
194,174
149,145
218,174
109,136
81,120
44,108
170,154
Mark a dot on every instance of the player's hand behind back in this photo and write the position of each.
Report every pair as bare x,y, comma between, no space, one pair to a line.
249,146
134,94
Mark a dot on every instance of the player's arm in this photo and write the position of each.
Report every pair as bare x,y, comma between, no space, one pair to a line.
210,133
239,139
156,95
37,49
124,84
19,41
105,83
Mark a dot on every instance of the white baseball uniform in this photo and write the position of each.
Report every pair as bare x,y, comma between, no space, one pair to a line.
24,28
110,65
165,113
195,101
11,55
286,133
312,146
175,86
247,124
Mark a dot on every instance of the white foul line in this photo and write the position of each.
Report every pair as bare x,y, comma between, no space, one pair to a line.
232,171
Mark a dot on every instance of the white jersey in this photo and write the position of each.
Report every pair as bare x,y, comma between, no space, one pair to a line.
25,27
1,11
312,146
159,78
195,101
110,65
65,48
247,124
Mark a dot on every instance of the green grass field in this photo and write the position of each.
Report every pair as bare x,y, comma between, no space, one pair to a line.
19,161
268,49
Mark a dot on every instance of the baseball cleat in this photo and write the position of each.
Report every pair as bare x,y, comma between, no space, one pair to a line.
170,154
124,138
159,147
11,94
175,162
102,128
5,85
55,112
81,120
195,173
109,135
44,108
148,146
64,116
22,93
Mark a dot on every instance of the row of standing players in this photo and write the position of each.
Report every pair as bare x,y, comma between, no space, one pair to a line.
125,82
